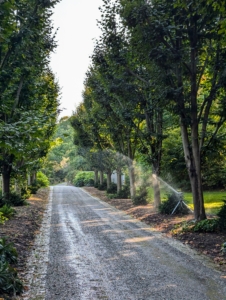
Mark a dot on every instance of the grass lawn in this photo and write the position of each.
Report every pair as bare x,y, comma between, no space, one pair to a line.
213,199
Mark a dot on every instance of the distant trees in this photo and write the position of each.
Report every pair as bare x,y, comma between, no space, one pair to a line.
63,159
28,89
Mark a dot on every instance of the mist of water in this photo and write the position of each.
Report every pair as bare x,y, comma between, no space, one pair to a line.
168,186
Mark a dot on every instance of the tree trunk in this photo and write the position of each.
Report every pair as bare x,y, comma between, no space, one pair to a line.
6,174
33,177
154,121
1,181
101,177
6,180
6,183
29,179
196,183
95,177
108,179
194,174
119,180
155,184
131,169
17,188
191,150
132,178
156,188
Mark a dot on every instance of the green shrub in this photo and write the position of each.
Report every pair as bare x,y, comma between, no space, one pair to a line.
168,206
112,196
9,281
2,219
12,199
89,182
26,193
84,178
207,225
124,193
222,217
79,182
34,187
140,198
7,211
112,189
103,186
7,252
42,180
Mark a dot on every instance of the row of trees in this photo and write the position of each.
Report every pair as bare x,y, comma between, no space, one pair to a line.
159,69
28,90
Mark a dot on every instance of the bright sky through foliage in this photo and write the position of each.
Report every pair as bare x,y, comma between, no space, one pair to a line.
76,20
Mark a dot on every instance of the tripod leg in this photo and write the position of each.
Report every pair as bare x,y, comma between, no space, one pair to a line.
175,207
187,206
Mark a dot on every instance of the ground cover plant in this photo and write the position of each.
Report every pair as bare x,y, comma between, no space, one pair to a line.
9,280
2,218
7,211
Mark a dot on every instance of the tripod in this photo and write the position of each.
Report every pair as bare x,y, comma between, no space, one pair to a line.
180,202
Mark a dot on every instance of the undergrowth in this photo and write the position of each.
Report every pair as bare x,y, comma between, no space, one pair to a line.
12,199
9,281
140,198
216,224
207,225
124,193
7,211
2,218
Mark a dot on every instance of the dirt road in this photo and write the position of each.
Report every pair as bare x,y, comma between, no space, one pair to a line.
97,252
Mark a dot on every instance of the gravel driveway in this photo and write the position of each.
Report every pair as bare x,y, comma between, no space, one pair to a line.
98,252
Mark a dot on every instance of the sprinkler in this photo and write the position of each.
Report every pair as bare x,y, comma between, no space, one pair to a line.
180,202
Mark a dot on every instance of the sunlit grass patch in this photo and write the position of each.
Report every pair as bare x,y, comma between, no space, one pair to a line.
213,200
